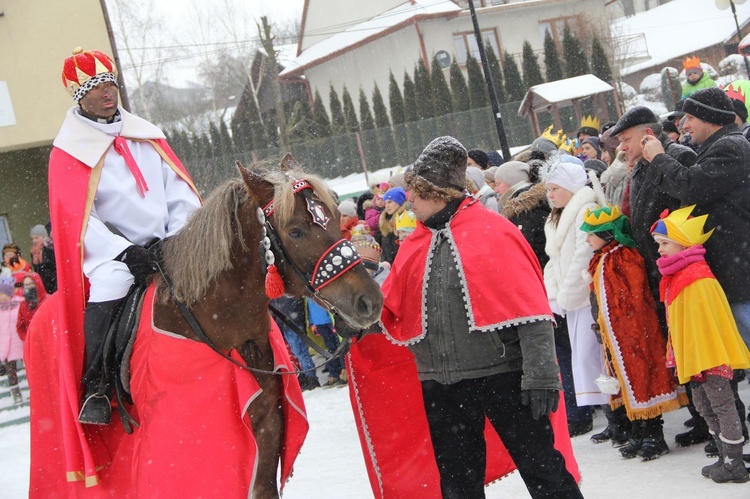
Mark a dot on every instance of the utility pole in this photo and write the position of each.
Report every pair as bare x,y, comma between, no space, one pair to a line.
739,36
490,85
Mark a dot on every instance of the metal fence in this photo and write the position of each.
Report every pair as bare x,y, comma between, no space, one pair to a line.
377,148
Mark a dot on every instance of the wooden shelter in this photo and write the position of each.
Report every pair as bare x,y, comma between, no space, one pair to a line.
552,96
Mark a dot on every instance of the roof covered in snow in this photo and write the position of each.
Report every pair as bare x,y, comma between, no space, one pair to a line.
677,29
562,92
370,29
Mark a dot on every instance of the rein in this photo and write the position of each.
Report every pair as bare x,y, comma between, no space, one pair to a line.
333,263
198,330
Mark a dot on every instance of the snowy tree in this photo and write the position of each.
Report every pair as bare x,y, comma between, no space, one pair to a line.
383,125
600,62
497,74
459,90
351,123
267,39
513,81
369,137
440,90
671,88
552,64
477,86
576,63
320,118
423,87
338,125
396,102
410,115
532,73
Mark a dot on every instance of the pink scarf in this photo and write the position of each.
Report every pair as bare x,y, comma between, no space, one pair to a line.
669,265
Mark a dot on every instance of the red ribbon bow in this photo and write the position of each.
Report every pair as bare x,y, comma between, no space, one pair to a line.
121,146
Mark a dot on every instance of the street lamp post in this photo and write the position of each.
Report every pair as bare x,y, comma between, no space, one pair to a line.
723,4
490,85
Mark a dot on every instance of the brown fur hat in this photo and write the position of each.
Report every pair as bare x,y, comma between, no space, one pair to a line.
440,171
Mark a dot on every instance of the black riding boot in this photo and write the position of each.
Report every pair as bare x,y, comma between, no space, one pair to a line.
618,427
96,408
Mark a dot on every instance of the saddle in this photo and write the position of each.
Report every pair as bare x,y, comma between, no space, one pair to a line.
118,348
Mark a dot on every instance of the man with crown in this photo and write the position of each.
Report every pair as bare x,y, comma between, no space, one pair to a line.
696,77
704,343
114,186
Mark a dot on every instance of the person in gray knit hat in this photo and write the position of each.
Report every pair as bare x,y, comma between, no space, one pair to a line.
483,349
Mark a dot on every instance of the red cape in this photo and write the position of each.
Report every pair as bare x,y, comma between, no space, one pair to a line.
181,449
72,186
489,250
386,398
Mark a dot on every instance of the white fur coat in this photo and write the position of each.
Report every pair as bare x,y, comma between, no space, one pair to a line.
569,254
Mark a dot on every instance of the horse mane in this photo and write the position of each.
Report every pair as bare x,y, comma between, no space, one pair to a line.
197,254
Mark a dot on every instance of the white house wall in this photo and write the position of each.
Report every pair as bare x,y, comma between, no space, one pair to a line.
401,50
325,18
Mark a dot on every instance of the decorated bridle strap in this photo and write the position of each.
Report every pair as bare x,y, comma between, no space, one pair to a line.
337,260
299,186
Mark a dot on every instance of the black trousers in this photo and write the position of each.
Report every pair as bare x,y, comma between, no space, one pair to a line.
456,415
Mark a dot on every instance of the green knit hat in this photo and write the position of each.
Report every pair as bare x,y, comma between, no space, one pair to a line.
609,218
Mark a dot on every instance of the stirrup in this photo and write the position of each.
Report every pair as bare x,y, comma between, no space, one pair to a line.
96,409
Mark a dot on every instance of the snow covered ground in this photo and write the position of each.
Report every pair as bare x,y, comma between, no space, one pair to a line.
331,464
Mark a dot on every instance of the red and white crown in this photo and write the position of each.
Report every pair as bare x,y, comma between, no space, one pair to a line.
84,70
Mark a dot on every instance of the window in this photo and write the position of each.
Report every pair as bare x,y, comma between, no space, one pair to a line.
556,27
4,231
467,42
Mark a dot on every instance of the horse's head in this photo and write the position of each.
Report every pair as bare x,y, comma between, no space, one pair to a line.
311,255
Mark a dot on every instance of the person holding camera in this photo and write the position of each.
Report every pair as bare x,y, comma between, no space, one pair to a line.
18,267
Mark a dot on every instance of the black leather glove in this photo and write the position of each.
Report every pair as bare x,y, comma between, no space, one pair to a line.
139,262
542,402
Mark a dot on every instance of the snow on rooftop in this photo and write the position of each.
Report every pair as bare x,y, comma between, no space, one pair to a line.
679,28
562,92
368,29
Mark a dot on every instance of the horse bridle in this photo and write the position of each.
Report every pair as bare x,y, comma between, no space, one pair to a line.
341,257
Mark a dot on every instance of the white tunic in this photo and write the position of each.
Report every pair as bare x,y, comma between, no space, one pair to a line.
163,211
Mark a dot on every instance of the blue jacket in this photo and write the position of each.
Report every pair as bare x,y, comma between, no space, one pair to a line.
317,315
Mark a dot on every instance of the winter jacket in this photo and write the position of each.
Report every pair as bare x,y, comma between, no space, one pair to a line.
11,346
569,254
317,315
488,198
615,179
648,199
388,242
719,184
705,82
528,211
26,313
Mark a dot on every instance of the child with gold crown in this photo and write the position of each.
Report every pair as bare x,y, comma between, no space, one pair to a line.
704,343
625,314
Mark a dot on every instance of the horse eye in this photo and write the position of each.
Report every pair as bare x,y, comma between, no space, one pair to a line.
296,233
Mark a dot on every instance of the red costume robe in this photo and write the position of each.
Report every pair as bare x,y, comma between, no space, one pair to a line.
631,334
384,387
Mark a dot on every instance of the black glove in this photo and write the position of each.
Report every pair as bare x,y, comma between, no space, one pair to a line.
139,262
542,402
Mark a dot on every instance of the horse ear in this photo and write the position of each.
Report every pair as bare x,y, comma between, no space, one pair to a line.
289,163
260,190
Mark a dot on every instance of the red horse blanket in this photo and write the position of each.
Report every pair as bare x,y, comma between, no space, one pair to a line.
195,436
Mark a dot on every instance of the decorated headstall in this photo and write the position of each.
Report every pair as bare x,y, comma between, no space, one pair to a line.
338,259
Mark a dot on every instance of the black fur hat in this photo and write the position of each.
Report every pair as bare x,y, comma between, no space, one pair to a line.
440,171
711,105
639,115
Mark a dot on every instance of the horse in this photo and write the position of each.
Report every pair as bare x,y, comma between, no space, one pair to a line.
217,266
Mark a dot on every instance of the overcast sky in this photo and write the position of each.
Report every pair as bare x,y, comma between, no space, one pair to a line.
190,31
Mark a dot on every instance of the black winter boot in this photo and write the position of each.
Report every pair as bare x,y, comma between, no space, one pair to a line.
96,408
653,444
631,448
618,427
706,470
